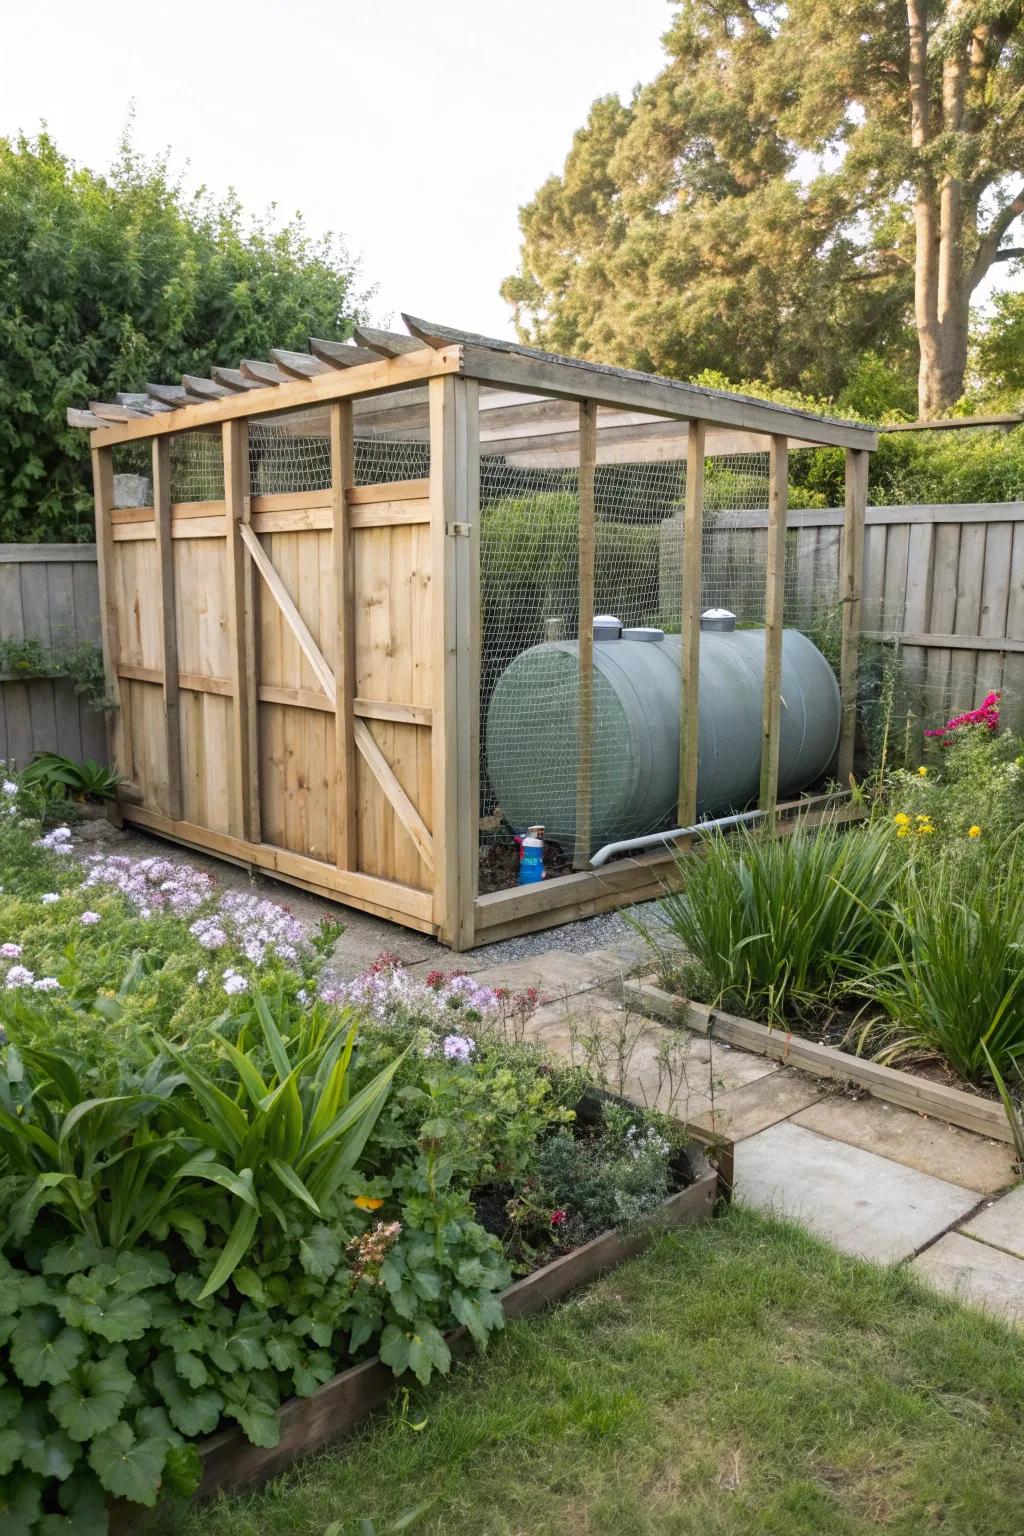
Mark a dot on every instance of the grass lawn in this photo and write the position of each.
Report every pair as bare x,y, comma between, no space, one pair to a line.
740,1379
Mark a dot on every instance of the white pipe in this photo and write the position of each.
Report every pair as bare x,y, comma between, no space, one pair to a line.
631,844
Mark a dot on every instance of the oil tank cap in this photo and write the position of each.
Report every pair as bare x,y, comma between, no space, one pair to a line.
607,627
644,632
719,619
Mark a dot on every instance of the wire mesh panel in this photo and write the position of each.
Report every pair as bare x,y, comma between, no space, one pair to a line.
290,453
382,460
196,466
530,564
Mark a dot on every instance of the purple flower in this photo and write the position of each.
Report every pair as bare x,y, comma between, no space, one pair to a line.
458,1047
233,983
46,984
10,951
89,919
18,976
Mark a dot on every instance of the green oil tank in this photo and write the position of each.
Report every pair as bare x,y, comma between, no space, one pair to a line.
531,731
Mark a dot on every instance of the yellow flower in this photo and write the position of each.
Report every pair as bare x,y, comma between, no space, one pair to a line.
921,817
923,771
974,831
365,1203
925,828
902,819
902,831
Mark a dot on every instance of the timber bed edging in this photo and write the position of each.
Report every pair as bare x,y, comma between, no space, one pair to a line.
311,1423
954,1105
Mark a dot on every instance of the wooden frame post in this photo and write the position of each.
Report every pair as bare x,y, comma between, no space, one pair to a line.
851,574
342,477
117,720
168,621
775,577
454,516
689,625
585,632
244,796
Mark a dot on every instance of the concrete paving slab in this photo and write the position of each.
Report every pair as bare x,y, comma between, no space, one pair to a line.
744,1111
916,1141
1001,1224
558,972
975,1273
865,1204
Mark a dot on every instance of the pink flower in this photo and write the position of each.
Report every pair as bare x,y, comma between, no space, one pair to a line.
89,919
10,951
558,1218
987,715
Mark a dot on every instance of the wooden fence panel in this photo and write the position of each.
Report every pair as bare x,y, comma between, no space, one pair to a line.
49,593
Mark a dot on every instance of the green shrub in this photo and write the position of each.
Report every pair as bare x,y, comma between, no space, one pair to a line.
609,1176
780,927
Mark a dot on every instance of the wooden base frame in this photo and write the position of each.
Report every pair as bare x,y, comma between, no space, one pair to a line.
954,1105
310,1423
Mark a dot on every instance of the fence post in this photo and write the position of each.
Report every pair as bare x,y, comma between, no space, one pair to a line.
851,570
689,625
118,719
343,476
168,621
244,802
771,714
455,517
585,633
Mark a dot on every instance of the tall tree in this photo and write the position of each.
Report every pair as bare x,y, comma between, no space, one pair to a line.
107,281
799,181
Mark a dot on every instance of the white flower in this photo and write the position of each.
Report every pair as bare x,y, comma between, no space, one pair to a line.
9,787
89,919
201,976
10,951
18,976
46,984
233,983
49,898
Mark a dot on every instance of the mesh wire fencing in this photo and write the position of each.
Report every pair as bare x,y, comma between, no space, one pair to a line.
289,454
529,573
196,466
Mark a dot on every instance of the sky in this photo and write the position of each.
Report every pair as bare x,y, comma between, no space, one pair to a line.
415,129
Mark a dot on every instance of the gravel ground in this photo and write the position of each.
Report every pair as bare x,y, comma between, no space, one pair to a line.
365,937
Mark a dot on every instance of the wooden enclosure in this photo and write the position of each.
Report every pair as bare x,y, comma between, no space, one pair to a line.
297,671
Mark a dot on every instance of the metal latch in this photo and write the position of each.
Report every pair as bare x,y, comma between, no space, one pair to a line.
458,530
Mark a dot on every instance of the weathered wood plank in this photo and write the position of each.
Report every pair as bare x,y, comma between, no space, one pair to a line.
775,578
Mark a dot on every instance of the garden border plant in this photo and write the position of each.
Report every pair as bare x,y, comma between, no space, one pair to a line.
221,1179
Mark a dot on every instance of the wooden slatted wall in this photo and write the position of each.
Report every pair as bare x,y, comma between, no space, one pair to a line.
48,592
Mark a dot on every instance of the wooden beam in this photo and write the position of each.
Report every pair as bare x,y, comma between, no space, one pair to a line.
173,395
585,631
454,438
345,789
141,402
292,617
689,626
389,782
341,354
168,621
298,365
386,343
118,719
771,713
203,389
234,380
76,418
505,362
242,615
109,410
851,575
386,374
262,373
955,423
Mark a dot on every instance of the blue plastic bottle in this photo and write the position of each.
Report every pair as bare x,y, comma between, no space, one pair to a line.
531,857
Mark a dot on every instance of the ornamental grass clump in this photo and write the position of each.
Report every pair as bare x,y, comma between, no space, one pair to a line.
951,977
781,927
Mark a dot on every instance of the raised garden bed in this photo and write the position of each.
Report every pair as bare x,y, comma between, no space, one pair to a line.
956,1106
310,1423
